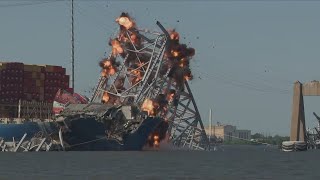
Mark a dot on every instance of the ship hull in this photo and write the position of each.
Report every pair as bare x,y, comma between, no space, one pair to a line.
86,134
9,131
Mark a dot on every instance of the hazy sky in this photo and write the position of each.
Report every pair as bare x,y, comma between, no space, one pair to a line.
261,48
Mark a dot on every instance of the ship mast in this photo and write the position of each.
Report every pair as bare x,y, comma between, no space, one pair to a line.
210,123
72,45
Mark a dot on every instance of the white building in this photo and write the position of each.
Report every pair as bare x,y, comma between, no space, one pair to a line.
228,132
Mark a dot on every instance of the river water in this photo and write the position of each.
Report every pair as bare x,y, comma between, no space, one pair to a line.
229,162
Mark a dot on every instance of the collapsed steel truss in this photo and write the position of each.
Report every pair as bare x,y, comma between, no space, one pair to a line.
185,125
313,135
38,143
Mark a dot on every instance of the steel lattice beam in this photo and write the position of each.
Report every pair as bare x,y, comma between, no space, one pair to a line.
185,125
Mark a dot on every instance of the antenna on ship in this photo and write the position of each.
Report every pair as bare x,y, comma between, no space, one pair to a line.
210,123
72,44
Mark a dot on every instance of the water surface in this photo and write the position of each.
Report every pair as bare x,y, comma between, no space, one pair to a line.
234,162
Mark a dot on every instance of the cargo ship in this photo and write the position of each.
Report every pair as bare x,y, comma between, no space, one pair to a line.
88,127
36,99
39,98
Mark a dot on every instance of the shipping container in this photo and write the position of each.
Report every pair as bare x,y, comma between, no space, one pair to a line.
13,65
28,67
49,68
11,73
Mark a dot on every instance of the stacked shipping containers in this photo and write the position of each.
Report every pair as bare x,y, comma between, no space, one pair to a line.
11,82
55,79
33,83
38,83
29,83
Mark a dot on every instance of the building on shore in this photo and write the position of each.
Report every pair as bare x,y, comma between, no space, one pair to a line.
228,132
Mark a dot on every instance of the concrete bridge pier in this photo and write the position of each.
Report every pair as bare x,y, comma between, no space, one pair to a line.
298,124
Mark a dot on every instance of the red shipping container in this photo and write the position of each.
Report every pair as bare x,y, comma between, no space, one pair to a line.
63,71
10,87
12,72
57,84
12,80
57,69
53,75
66,78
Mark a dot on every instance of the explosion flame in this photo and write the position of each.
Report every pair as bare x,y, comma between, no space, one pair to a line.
179,56
125,21
105,97
116,47
148,107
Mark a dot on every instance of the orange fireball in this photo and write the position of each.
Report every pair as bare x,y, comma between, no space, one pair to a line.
187,77
156,141
174,35
106,63
125,22
175,53
112,71
116,47
148,107
105,97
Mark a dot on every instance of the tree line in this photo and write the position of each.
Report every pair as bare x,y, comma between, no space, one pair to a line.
258,138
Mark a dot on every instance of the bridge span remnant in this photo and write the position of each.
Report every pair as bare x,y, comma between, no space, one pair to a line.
298,125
